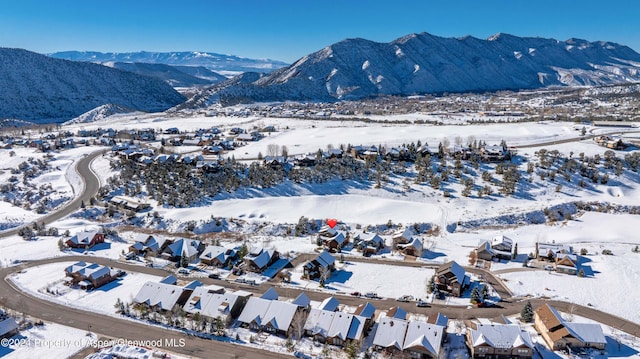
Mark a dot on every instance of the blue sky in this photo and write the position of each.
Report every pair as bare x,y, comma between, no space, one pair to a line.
287,30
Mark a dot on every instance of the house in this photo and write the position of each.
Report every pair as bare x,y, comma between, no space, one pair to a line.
212,302
8,326
183,248
368,243
272,316
307,160
259,259
322,264
334,328
397,312
164,297
567,263
89,275
485,252
218,256
493,153
129,203
275,162
413,248
503,246
402,237
499,341
390,335
212,150
451,278
549,251
85,240
336,242
560,334
366,311
148,244
424,340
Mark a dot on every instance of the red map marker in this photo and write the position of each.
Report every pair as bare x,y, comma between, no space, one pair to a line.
331,222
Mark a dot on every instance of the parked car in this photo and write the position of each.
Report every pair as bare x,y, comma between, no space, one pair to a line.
405,298
355,294
549,267
214,276
183,271
372,295
422,303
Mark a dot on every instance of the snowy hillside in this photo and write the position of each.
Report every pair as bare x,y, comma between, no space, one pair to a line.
42,89
176,76
213,61
99,113
423,63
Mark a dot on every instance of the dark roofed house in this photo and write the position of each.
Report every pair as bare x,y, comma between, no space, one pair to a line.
260,259
451,278
323,263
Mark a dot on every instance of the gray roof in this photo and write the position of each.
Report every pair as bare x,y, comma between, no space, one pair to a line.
425,336
7,326
210,302
503,336
390,333
184,247
302,300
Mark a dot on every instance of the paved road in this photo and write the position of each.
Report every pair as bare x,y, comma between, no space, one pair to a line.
90,189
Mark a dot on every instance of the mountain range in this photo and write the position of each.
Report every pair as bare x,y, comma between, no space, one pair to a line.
424,63
210,60
42,89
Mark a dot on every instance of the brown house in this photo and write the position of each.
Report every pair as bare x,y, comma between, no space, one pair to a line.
560,334
451,278
85,239
89,275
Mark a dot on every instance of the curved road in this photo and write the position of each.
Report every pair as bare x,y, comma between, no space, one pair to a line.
91,185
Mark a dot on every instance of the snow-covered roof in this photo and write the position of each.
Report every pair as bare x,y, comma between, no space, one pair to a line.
427,337
302,300
501,239
184,247
390,333
365,310
455,268
586,332
210,302
357,327
170,279
340,325
162,295
319,321
280,314
7,325
270,294
83,237
502,336
340,238
397,312
211,252
325,259
262,259
254,310
330,304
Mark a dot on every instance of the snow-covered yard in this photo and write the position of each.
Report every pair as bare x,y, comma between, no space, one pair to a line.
47,341
388,281
37,280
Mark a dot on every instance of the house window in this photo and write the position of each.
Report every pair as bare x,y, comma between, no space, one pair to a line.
523,351
483,349
337,341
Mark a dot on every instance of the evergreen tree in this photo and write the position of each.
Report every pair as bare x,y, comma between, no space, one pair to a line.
515,251
475,296
526,315
484,292
581,273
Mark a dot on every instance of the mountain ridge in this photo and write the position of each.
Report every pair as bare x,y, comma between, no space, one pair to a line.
211,60
425,63
42,89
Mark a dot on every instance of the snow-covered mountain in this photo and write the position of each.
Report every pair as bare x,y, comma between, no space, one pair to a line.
42,89
176,76
210,60
424,63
